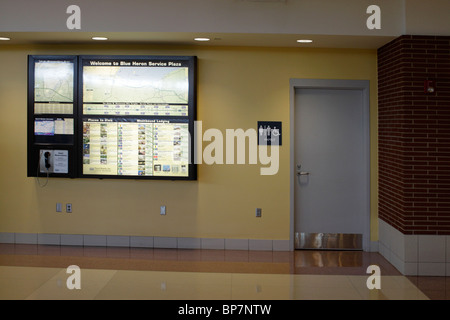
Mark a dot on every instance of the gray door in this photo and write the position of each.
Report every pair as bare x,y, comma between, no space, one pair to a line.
331,177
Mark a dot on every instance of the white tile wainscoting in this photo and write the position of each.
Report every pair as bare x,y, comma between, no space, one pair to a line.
415,255
143,241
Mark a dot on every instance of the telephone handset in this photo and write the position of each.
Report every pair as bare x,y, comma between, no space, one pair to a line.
54,161
47,155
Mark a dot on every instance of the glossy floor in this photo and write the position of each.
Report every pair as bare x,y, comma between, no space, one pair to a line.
40,272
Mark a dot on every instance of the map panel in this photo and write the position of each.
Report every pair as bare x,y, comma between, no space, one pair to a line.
135,109
54,81
151,85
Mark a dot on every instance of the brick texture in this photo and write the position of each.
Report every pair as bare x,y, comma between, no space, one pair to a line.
414,134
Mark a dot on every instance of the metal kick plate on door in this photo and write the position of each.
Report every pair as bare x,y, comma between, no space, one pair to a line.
328,241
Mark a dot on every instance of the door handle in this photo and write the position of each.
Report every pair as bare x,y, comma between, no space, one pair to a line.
301,173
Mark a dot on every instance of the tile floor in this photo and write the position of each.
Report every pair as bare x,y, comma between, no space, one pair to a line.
39,272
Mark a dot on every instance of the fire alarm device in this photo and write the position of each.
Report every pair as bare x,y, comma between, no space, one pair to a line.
429,86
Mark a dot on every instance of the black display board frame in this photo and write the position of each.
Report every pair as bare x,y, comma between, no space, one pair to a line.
37,143
75,145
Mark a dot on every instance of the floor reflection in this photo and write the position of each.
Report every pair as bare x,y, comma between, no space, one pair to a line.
328,259
37,283
39,272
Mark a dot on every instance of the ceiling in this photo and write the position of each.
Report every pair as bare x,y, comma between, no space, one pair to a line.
252,23
187,38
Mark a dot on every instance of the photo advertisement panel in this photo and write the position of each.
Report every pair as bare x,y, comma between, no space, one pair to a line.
133,115
136,147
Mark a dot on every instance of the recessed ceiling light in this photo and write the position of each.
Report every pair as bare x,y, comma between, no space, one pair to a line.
99,38
202,39
4,39
304,41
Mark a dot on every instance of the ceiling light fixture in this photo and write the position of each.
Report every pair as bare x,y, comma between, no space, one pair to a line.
304,41
4,39
99,38
202,39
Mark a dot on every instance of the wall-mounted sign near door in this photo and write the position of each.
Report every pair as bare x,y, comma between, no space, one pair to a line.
269,133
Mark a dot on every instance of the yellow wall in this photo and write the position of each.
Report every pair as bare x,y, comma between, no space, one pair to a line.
236,88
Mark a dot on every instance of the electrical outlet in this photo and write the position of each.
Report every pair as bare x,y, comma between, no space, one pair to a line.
162,210
58,207
258,212
68,207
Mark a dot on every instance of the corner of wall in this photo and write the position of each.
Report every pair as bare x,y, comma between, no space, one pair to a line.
415,255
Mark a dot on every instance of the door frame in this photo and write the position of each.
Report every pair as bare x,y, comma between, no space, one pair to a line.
364,86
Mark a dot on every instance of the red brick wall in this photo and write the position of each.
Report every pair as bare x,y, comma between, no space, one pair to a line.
414,134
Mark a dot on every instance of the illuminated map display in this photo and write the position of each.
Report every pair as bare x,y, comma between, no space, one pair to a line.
136,116
117,117
136,109
53,87
135,87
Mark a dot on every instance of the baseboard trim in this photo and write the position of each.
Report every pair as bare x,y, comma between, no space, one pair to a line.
89,240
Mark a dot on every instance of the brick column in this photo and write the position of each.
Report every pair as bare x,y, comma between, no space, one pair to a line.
414,135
